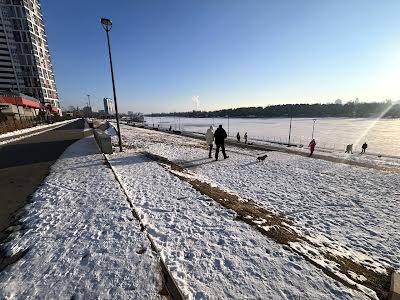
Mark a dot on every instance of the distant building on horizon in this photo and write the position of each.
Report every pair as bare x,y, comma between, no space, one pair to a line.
25,63
108,106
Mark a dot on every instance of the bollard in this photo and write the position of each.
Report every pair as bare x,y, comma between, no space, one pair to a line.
103,141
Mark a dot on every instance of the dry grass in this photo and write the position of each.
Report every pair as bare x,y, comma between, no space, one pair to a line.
375,281
12,125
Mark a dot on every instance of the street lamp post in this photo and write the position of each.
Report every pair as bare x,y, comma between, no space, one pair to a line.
290,126
313,127
228,124
89,105
107,25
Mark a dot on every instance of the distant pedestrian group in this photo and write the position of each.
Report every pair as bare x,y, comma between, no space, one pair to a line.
238,137
349,148
218,137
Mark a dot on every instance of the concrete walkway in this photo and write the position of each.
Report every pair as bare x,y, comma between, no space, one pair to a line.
80,238
25,163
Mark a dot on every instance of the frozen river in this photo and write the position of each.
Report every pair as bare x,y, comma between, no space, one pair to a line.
382,136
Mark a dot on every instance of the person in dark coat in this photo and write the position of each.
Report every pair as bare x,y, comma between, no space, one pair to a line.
364,147
238,137
245,137
219,139
312,145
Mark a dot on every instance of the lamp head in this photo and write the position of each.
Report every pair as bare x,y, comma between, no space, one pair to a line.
107,24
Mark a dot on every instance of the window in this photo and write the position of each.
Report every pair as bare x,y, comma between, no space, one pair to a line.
17,36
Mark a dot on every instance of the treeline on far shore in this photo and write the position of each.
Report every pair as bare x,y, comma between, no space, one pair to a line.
349,110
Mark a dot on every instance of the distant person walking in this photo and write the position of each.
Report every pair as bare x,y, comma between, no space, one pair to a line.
312,145
210,140
245,137
364,147
220,136
238,137
349,148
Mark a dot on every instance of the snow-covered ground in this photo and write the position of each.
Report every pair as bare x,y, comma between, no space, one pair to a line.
84,242
368,157
13,136
354,208
353,205
82,238
209,253
334,133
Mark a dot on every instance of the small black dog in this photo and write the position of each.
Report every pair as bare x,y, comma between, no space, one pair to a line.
262,158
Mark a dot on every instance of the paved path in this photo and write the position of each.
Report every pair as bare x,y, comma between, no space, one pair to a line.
32,131
25,163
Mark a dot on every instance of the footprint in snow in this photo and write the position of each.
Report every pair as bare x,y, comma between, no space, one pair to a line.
141,251
85,258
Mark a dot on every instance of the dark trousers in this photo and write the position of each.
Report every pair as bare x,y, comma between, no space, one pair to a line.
312,150
209,153
222,146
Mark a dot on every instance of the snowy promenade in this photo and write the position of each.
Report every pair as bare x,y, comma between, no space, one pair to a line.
211,255
82,238
288,228
348,211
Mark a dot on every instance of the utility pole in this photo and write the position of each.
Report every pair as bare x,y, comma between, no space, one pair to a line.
312,135
90,106
228,124
290,126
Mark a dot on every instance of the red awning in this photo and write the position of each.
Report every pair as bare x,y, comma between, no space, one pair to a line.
20,101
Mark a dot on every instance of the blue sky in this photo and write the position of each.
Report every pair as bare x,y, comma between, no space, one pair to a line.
230,53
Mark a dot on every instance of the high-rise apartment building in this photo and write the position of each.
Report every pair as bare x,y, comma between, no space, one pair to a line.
108,106
25,64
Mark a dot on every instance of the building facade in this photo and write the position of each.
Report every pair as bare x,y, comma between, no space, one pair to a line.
25,63
108,106
20,105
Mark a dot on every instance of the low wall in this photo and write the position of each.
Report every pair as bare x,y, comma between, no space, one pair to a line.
12,125
104,141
